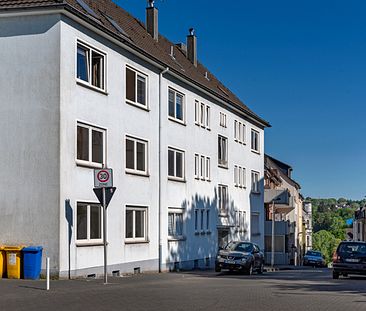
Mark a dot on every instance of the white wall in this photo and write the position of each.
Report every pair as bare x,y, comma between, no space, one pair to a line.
29,126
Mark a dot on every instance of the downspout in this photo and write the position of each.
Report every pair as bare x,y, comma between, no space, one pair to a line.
159,169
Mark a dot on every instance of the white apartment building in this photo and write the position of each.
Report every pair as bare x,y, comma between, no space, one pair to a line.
84,84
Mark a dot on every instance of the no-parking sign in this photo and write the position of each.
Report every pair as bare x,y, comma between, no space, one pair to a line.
103,178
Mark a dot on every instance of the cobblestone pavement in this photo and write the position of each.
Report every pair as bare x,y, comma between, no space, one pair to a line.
297,290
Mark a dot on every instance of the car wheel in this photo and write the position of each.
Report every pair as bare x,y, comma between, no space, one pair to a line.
261,268
217,268
335,275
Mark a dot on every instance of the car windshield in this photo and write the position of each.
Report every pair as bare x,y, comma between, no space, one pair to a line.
312,253
240,247
359,248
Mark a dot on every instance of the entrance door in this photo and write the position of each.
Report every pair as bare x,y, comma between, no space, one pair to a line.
223,237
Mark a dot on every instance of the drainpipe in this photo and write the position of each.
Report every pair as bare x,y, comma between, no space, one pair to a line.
159,169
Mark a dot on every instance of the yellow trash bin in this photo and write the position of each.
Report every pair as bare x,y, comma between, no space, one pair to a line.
13,261
2,262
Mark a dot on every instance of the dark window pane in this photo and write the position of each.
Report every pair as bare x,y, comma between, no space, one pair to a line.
130,85
95,222
179,107
97,70
171,224
179,164
202,218
141,90
81,222
83,143
129,224
97,147
171,104
178,224
140,156
82,64
130,146
140,224
171,163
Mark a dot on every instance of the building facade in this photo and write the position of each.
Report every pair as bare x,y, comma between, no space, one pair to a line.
88,86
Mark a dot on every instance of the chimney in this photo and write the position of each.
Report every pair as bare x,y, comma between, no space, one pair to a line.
192,47
152,20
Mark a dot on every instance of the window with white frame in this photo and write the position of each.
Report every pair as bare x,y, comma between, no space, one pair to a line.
223,118
136,87
239,176
255,141
222,151
90,66
202,220
255,182
136,224
223,201
176,106
88,222
239,132
175,223
240,222
202,167
136,155
202,115
90,146
175,163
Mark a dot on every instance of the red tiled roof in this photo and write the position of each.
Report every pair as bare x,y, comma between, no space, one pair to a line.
159,50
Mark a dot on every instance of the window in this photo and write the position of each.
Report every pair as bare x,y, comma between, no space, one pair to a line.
175,224
202,115
255,141
202,220
255,224
176,106
239,176
240,221
223,119
222,152
175,163
239,132
136,156
136,224
223,200
255,182
90,66
90,145
196,220
136,88
89,222
201,167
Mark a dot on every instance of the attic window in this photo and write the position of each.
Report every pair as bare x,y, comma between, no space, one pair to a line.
222,90
87,8
116,25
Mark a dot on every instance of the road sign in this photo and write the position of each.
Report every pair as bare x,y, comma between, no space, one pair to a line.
108,194
103,178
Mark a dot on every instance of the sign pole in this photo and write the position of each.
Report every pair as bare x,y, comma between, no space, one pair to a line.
273,234
105,237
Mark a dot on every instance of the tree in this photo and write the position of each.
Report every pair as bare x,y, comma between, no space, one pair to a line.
325,242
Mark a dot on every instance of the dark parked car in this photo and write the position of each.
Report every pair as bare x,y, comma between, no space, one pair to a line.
315,259
349,258
240,256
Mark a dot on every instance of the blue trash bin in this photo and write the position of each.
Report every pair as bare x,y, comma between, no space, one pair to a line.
32,261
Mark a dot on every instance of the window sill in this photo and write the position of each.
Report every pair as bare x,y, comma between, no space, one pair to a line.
223,215
89,244
177,121
90,87
176,239
177,179
142,107
255,151
86,164
137,173
136,242
223,166
256,192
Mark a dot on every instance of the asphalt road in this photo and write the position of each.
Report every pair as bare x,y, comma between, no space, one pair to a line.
310,289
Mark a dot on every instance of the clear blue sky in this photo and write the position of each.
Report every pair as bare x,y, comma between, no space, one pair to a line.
301,65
